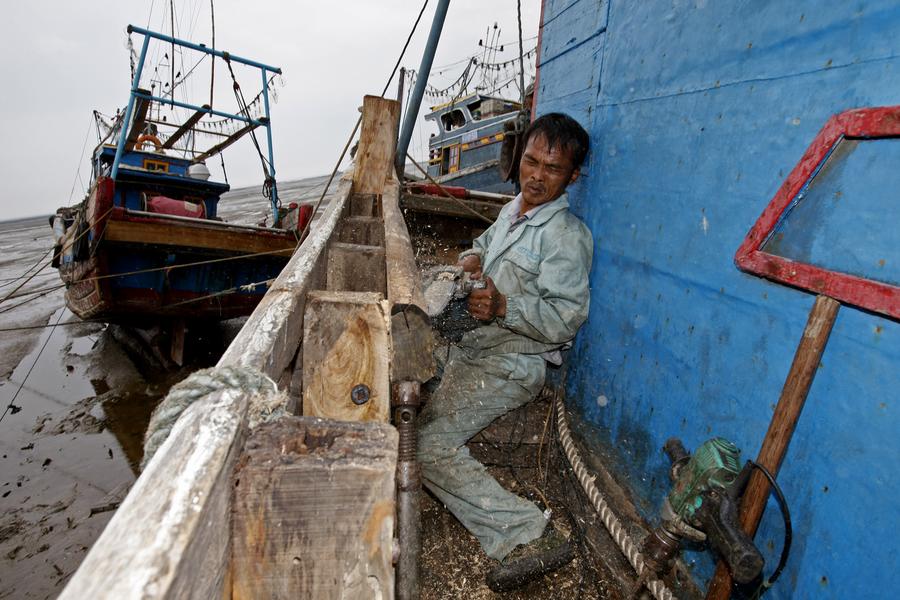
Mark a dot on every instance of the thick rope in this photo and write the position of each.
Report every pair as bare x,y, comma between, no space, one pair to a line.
612,523
266,402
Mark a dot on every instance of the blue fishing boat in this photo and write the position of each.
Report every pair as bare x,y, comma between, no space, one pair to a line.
147,243
466,151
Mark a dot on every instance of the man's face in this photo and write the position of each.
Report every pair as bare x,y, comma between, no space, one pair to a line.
544,172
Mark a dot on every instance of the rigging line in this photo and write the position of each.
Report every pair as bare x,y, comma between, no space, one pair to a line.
38,290
234,290
28,270
403,52
80,160
47,326
212,76
32,299
448,194
11,406
57,255
358,122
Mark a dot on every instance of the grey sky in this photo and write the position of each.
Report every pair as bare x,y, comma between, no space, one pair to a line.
61,60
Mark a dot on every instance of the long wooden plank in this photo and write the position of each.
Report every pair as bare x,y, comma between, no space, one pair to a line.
225,143
377,143
411,332
187,126
165,234
314,511
440,205
170,537
141,107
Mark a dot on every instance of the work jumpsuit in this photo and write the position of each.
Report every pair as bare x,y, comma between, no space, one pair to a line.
541,265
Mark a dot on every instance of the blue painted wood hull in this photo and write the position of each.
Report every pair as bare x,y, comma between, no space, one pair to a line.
697,112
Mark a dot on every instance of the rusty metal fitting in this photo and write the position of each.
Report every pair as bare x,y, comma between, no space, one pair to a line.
407,394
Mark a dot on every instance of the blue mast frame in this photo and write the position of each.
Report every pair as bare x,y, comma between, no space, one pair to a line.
135,93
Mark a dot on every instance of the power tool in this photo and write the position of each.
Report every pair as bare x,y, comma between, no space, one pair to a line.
702,506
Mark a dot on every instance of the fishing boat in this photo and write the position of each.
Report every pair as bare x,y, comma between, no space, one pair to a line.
147,244
466,151
740,191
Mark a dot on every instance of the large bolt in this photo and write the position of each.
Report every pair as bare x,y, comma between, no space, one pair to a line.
360,394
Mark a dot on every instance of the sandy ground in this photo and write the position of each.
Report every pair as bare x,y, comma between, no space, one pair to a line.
71,443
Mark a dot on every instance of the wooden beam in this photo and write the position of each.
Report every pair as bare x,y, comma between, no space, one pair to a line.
781,427
225,143
314,511
368,231
188,125
377,144
356,268
441,205
200,236
346,344
142,105
411,333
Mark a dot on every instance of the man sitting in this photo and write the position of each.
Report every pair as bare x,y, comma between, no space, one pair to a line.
535,261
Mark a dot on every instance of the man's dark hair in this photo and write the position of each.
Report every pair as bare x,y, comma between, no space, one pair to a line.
563,131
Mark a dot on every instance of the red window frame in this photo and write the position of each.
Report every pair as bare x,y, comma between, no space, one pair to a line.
875,296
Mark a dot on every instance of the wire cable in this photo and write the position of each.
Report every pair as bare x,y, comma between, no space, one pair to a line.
788,530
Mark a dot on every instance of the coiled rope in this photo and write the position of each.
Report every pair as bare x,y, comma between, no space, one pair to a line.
266,402
610,521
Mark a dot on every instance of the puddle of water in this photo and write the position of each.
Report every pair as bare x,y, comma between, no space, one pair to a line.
74,445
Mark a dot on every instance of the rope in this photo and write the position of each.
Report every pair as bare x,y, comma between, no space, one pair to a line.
266,403
610,521
448,194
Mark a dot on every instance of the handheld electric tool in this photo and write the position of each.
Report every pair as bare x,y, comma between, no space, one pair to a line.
702,506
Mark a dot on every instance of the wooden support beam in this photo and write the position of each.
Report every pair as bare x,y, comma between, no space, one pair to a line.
346,347
368,231
225,143
411,333
210,237
365,205
314,511
377,144
781,427
356,268
188,125
142,105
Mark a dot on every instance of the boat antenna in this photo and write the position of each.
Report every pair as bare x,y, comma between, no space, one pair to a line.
212,76
172,60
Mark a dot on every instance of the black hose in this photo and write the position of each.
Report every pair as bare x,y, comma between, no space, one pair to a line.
788,530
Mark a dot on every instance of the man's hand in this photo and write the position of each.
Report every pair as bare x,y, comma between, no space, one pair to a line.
487,303
471,264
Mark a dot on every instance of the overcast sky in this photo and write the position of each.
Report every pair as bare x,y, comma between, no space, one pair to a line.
61,60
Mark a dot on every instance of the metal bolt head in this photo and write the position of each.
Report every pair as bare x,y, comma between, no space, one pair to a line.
360,394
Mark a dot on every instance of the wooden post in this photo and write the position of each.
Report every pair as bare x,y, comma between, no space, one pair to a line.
314,511
356,268
346,344
781,427
377,144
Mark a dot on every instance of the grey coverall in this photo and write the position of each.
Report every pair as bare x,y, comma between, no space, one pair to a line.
542,267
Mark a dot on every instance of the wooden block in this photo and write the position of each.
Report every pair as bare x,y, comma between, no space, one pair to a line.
368,231
314,511
346,343
377,144
356,268
365,205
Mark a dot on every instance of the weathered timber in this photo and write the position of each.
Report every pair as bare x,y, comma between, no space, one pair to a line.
441,205
224,144
170,537
142,105
411,331
314,511
365,205
160,233
187,126
781,427
377,144
368,231
356,268
346,344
